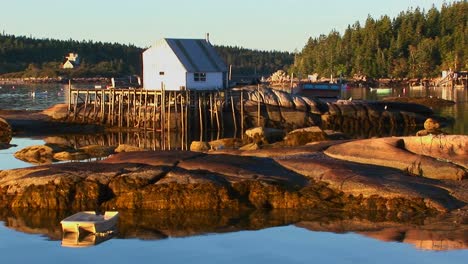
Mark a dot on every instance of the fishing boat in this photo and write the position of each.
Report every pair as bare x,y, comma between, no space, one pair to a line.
320,89
381,91
91,222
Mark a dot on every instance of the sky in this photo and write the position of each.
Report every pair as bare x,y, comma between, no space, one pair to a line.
283,25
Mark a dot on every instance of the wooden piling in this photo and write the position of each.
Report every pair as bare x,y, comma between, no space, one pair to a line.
233,114
242,112
258,105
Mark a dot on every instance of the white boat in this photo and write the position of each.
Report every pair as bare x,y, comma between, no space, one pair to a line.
320,89
90,222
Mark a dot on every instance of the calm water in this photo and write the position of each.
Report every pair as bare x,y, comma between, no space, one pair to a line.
33,237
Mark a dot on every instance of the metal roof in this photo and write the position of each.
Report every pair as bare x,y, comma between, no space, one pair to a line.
197,55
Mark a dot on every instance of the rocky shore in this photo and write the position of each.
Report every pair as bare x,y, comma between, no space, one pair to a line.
308,168
303,177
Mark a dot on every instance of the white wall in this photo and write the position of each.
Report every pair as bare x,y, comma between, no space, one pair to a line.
160,58
214,80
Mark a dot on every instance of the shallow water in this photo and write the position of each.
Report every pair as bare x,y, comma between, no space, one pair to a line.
288,244
229,237
250,238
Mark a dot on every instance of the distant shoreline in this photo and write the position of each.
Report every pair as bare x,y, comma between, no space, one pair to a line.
31,80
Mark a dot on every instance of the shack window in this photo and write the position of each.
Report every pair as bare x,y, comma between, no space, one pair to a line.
199,77
161,73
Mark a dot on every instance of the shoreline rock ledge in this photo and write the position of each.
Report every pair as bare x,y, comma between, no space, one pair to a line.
302,178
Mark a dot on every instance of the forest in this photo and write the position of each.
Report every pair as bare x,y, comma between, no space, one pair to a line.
22,57
415,44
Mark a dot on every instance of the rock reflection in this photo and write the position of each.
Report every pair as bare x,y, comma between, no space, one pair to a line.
438,233
433,233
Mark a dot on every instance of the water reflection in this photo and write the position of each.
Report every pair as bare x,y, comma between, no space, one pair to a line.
80,240
432,233
459,112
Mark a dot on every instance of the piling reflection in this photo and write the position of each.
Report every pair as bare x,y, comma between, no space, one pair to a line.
431,233
148,140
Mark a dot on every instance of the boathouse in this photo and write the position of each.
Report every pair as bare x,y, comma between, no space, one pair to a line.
183,64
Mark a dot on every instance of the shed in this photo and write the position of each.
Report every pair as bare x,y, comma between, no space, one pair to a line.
180,64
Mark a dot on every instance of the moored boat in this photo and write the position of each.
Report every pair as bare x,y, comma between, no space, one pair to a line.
320,89
382,91
90,222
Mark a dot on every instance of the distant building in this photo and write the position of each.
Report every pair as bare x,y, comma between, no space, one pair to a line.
180,64
73,61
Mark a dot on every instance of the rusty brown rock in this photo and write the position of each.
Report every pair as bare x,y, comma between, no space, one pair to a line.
127,148
431,124
39,154
225,143
154,180
5,131
98,151
199,146
390,152
303,136
450,148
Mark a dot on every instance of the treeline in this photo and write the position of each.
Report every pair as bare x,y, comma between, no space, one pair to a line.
415,44
250,62
29,57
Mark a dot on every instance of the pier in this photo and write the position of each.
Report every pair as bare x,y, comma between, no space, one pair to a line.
184,112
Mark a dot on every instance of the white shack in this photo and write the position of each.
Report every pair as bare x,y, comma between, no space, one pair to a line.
180,64
73,61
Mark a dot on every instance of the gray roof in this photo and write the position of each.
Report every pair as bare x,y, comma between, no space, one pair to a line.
197,55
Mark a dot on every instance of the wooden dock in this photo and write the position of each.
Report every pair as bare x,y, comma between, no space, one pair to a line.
159,110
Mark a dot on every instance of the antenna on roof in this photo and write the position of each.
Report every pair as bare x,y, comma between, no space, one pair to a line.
207,37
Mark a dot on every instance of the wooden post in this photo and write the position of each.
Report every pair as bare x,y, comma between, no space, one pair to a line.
112,106
176,113
140,105
69,97
119,110
103,105
200,116
95,106
218,126
242,112
258,105
169,121
205,114
75,107
155,101
145,110
129,96
224,99
211,111
85,106
233,114
187,116
134,115
182,122
163,116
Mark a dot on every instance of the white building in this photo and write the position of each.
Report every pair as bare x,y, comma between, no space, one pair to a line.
180,64
73,60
